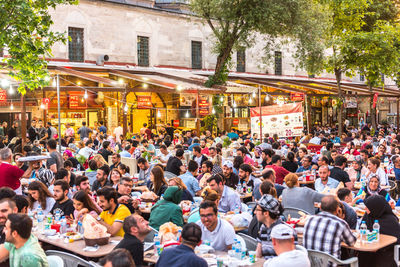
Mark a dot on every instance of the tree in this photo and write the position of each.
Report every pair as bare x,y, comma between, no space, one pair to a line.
25,31
234,24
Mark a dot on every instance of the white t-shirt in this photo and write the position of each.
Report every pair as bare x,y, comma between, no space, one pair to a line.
222,236
289,259
49,205
165,157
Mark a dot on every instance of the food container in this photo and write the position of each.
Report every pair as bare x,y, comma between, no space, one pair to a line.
97,241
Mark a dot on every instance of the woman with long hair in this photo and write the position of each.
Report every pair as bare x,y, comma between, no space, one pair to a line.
158,184
40,195
83,204
176,181
115,177
124,170
99,160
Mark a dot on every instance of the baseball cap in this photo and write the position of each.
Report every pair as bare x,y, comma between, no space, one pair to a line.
191,232
269,203
228,164
282,231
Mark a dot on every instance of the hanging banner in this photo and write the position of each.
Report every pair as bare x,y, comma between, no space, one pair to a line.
144,102
296,96
284,120
375,100
350,102
3,96
204,109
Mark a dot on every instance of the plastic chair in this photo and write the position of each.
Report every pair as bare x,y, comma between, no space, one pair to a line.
198,199
242,242
169,175
150,236
55,261
397,254
70,260
294,212
251,205
392,189
251,243
322,259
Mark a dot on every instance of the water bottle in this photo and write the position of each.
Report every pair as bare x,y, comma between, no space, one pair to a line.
363,180
237,209
313,174
234,244
179,235
40,218
63,227
244,187
239,188
238,251
386,161
376,228
57,217
80,228
157,240
363,232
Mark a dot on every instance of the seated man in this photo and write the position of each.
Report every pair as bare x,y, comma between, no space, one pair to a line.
7,206
124,190
268,211
245,175
21,247
229,200
136,229
326,231
63,205
113,214
101,178
117,258
183,255
283,241
324,181
218,231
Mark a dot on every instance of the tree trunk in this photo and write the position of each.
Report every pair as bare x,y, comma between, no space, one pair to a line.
372,109
124,114
222,60
338,74
23,120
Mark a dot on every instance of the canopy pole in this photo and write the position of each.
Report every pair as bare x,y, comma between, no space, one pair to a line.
259,106
59,113
398,115
307,115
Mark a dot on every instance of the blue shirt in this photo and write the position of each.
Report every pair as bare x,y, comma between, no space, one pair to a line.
125,154
302,169
180,256
319,187
190,148
191,183
397,173
233,135
103,129
229,200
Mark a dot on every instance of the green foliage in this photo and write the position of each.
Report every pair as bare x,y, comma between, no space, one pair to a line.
235,23
25,32
210,123
218,104
226,142
146,155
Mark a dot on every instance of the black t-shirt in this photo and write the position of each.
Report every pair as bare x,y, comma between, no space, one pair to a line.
232,181
290,166
66,208
340,175
57,159
105,153
174,165
134,246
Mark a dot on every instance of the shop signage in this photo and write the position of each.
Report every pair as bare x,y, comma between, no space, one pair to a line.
203,107
144,102
191,124
244,127
186,100
75,101
46,102
235,122
176,123
296,96
284,120
3,96
350,102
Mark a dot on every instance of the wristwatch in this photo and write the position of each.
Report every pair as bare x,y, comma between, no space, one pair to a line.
98,218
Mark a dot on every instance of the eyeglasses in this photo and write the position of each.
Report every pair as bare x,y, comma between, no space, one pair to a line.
128,185
207,215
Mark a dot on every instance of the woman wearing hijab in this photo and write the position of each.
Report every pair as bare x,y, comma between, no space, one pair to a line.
357,170
373,187
377,208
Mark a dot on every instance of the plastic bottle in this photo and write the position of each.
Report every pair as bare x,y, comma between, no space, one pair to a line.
57,217
179,235
386,161
244,187
40,218
313,175
234,244
157,240
376,228
363,180
80,228
363,231
238,251
237,209
239,188
63,227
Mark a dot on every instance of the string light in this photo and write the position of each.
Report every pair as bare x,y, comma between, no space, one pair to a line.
79,83
254,94
11,90
42,106
221,99
85,96
213,110
187,114
115,103
5,83
12,106
145,85
234,104
126,108
250,100
267,98
159,114
121,81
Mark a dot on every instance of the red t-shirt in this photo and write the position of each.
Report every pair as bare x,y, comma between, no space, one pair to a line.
10,175
355,152
280,173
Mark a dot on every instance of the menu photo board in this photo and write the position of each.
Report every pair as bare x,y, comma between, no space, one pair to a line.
284,120
3,96
144,102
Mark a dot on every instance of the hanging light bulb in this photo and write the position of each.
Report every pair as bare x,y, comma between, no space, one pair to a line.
85,96
159,114
254,94
115,103
54,83
126,108
121,81
213,110
79,83
82,100
42,106
12,106
11,90
187,114
234,104
267,98
179,87
4,83
250,100
221,98
145,85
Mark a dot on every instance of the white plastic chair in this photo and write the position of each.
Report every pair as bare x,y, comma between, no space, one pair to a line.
55,261
322,259
70,260
242,241
251,243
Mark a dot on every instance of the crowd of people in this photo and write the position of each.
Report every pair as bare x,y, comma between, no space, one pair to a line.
221,172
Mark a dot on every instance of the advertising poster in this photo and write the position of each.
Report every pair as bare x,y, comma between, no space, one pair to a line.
284,120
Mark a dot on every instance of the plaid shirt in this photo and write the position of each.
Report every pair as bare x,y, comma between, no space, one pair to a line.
325,231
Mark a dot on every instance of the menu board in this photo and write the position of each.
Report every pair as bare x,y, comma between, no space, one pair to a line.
284,120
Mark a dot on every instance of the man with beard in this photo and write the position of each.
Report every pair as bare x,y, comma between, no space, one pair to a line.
124,190
21,247
7,206
229,199
231,179
63,204
113,214
245,171
136,229
101,178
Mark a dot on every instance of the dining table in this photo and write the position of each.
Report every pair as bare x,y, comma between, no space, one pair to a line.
384,241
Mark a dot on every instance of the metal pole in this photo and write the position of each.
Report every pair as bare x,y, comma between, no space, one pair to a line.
198,114
259,106
307,115
59,113
397,114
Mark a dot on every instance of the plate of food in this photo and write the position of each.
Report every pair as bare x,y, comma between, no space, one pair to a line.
73,235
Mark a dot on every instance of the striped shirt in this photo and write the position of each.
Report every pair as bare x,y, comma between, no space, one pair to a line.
325,231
